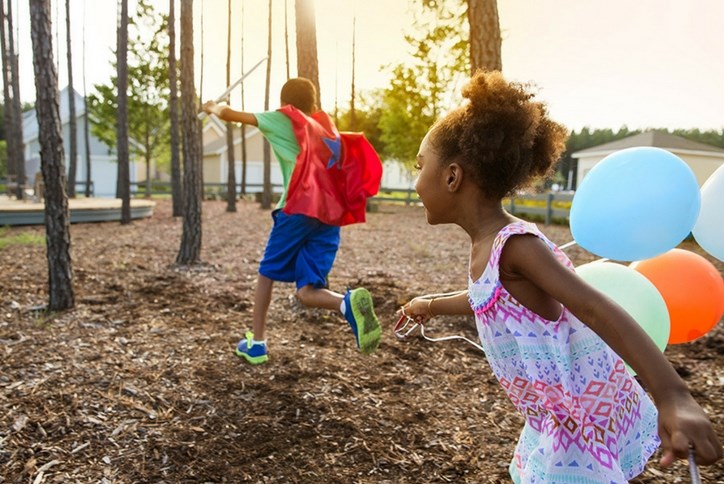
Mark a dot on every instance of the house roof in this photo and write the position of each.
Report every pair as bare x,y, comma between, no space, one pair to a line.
30,119
655,139
219,145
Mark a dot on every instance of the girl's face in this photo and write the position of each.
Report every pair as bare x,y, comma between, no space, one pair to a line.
431,185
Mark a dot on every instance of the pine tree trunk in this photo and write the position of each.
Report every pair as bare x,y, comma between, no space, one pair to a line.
484,35
266,195
190,250
57,220
231,162
86,123
72,163
7,96
176,186
17,108
307,63
243,127
122,127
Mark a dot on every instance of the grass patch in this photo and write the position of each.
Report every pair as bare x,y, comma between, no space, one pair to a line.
22,238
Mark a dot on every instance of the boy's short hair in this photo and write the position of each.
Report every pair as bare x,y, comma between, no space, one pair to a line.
300,93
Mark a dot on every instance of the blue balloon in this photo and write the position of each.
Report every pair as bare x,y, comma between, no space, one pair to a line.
635,204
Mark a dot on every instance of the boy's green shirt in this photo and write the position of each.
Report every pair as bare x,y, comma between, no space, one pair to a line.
277,129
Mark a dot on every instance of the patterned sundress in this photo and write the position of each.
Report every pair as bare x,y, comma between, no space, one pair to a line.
587,420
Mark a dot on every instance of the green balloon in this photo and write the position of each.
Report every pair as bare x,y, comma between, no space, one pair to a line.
635,294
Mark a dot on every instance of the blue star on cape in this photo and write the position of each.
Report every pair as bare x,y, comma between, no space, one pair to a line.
335,146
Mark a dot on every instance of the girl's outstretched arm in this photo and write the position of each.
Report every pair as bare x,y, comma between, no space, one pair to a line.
425,307
682,422
225,113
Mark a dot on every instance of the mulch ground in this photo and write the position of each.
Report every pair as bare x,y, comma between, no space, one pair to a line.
138,383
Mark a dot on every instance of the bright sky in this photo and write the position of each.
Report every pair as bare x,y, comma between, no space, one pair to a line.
642,63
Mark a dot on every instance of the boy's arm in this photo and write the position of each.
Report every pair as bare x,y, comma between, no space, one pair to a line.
225,113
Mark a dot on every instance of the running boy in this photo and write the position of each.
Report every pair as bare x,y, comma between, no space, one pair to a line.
327,179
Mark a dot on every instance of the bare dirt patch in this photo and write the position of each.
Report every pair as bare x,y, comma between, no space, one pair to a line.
138,383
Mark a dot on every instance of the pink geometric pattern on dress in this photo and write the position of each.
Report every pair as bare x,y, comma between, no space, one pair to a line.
586,417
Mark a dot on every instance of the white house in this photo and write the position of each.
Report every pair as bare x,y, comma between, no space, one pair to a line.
703,159
104,165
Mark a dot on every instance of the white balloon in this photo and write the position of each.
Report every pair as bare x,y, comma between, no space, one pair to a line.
709,227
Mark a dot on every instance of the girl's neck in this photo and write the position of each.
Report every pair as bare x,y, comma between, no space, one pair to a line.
485,221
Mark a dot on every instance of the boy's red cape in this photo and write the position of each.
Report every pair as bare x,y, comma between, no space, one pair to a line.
335,172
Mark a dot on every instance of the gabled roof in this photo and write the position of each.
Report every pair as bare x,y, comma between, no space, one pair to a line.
218,146
655,139
30,120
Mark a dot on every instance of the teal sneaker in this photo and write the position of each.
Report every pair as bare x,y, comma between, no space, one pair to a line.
254,353
360,314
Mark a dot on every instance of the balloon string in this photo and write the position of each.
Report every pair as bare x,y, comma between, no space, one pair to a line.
569,244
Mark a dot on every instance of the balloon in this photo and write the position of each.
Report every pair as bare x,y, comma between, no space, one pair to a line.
635,204
692,288
634,293
709,228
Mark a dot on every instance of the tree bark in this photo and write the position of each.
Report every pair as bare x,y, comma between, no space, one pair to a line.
7,96
17,108
307,60
72,163
176,185
485,42
243,106
57,220
266,195
124,182
230,161
190,250
86,123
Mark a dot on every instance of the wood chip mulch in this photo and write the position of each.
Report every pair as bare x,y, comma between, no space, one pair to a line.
138,383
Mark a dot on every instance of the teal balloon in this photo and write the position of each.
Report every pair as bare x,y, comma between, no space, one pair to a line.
635,204
635,294
709,228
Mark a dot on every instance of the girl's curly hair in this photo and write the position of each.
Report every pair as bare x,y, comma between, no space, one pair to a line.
501,136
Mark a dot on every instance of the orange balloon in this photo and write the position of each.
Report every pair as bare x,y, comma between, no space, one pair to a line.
692,288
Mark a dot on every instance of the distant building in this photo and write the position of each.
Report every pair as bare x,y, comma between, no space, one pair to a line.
703,159
104,166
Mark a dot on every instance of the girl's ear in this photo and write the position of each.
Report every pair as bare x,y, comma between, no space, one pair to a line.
454,177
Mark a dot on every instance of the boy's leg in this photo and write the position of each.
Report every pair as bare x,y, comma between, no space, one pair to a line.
262,299
253,347
316,297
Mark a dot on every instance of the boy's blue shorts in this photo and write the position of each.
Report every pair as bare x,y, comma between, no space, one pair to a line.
300,249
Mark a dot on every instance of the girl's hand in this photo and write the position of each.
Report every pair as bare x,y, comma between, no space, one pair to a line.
683,425
418,309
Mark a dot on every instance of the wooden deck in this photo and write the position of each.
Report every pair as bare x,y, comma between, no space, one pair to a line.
82,210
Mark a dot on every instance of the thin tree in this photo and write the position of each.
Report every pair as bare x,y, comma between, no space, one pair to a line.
307,60
266,195
352,112
7,96
176,186
190,249
17,108
57,219
243,106
13,110
86,120
485,42
124,182
231,162
72,163
286,35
